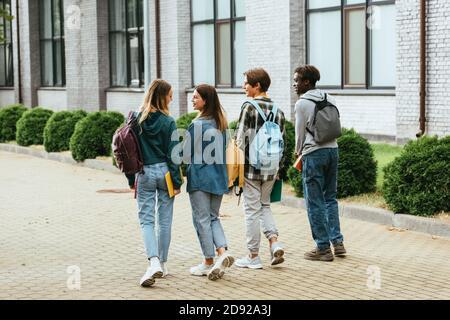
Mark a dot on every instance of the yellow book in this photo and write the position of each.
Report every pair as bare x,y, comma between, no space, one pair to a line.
169,183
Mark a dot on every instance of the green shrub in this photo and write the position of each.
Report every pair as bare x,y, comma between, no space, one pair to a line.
357,168
60,128
93,135
8,119
233,124
288,149
30,127
185,120
418,181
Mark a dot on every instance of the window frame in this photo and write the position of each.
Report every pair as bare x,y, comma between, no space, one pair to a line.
216,22
7,46
53,40
368,42
139,32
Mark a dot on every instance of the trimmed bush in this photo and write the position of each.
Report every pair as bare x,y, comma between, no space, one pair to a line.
418,181
8,120
60,128
185,120
288,149
30,127
233,124
93,135
357,169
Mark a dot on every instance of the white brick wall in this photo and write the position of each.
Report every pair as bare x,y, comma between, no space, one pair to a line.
55,100
438,68
7,97
372,115
123,102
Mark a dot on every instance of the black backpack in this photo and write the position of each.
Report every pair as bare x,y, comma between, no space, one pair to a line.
326,124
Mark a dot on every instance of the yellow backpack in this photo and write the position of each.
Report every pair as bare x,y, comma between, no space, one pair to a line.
235,167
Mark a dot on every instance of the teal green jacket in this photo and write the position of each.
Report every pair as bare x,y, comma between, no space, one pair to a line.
158,137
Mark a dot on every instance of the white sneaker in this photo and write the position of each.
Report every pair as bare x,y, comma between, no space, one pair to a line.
277,253
164,269
218,270
247,262
150,275
201,270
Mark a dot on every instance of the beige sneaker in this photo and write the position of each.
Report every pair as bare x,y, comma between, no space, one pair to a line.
319,255
339,249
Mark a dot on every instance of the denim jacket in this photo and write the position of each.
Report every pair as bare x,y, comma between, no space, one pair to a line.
205,152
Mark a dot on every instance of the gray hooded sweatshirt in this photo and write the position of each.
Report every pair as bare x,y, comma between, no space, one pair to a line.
304,113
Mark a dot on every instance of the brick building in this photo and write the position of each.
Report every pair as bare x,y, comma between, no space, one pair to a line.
99,54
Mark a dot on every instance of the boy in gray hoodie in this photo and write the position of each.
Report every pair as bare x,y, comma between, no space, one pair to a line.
319,169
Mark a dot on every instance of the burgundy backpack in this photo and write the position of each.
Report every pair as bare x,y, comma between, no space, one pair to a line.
126,149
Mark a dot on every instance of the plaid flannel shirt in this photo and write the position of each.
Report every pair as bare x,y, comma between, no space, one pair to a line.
250,121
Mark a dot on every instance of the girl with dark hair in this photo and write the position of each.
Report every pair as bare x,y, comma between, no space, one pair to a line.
207,180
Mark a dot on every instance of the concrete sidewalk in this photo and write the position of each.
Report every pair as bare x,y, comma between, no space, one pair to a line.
58,219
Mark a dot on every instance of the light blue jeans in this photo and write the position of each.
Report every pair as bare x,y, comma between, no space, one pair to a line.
205,215
152,198
319,175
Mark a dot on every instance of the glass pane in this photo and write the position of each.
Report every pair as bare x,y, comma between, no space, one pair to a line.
2,66
141,57
224,53
223,9
383,47
324,32
239,8
9,65
117,15
315,4
134,60
141,13
56,18
132,13
202,10
240,53
118,60
45,19
203,54
356,2
355,56
46,63
59,50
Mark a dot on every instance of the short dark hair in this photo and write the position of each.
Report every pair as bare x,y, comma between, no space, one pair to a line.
308,72
258,75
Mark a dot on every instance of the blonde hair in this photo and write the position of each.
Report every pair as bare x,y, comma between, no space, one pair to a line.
155,99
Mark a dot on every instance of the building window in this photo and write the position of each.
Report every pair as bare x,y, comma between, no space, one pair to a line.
352,42
6,50
218,27
126,38
51,27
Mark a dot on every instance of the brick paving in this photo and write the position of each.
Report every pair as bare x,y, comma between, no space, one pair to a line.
53,217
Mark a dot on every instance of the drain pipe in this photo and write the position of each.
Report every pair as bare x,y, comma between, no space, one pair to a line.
19,68
423,68
158,38
147,53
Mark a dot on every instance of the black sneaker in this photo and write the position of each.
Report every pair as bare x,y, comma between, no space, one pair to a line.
339,249
319,255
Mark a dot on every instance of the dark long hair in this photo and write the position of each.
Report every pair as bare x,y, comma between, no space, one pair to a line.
212,108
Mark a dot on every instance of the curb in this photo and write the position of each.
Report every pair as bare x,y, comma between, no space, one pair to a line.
384,217
359,212
55,156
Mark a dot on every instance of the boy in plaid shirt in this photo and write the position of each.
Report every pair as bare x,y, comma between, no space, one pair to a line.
258,184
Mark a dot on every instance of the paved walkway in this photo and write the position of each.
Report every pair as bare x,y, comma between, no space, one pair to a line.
55,222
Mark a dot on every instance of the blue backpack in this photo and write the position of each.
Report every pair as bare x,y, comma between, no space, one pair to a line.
266,149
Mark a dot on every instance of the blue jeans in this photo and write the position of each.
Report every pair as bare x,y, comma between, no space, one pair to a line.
152,195
205,215
319,177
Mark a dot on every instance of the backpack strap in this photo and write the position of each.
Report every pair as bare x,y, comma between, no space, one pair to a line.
265,117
